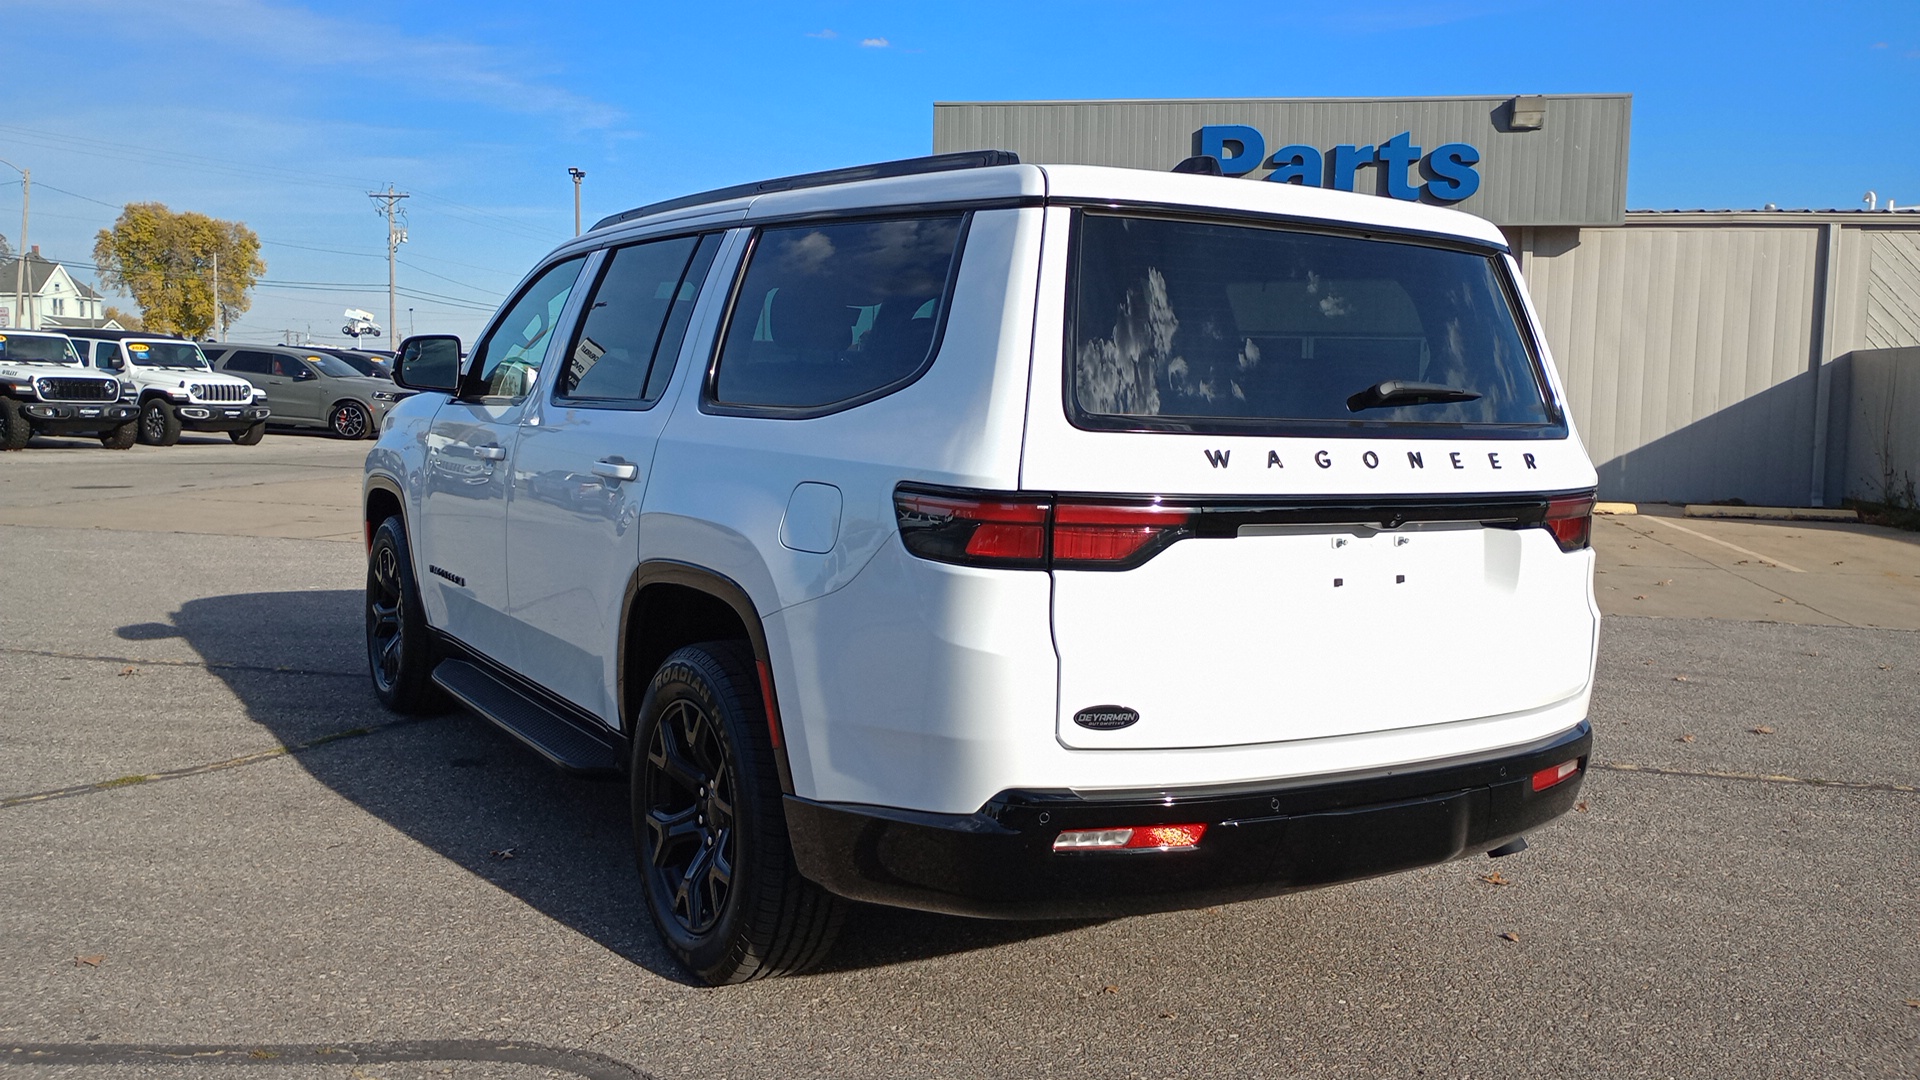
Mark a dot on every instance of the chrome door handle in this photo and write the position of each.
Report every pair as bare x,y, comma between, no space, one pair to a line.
616,470
490,453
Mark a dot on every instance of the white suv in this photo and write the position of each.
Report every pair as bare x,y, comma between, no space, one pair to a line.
1003,540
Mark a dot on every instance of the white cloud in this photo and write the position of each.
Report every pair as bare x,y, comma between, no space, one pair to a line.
272,34
827,34
874,43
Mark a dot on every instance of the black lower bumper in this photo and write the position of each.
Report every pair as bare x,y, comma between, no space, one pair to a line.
78,418
1000,862
220,417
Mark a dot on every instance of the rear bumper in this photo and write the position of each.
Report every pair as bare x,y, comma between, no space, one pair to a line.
999,862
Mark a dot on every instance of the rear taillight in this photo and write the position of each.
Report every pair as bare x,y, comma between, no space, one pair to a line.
1570,520
992,529
980,530
1091,535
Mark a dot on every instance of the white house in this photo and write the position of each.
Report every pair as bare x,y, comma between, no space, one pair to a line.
53,299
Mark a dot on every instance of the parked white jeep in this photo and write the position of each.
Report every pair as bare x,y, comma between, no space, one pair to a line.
176,388
1003,540
45,390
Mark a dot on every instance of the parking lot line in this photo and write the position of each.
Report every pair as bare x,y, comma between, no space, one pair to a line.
1770,560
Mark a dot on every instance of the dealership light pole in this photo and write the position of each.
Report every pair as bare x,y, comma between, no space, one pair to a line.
578,176
20,254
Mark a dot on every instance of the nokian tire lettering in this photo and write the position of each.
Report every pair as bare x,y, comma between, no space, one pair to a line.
709,831
400,653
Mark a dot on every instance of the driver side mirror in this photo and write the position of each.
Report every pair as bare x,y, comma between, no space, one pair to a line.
429,362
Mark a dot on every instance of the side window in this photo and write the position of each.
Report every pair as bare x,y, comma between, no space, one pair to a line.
828,314
287,367
250,363
106,355
636,320
507,361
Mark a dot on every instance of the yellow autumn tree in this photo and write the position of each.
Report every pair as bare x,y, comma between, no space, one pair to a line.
166,261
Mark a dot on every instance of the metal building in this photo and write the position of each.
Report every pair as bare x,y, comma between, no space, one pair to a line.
1770,356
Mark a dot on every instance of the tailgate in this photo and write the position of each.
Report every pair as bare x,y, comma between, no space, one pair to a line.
1285,631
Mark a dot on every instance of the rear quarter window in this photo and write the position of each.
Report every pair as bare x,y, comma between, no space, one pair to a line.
1210,327
831,315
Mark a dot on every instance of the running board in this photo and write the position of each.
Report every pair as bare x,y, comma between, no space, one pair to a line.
562,741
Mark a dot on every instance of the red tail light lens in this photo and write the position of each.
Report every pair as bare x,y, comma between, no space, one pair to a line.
992,529
1570,520
1113,534
980,530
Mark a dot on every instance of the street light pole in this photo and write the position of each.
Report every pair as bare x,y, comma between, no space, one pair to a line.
20,255
578,176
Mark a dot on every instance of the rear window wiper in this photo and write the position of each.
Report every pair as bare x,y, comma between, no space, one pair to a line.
1399,392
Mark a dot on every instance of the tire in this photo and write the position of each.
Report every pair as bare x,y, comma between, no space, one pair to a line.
351,420
709,832
399,648
159,423
249,436
15,430
122,437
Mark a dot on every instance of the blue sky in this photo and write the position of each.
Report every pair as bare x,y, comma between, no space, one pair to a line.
284,115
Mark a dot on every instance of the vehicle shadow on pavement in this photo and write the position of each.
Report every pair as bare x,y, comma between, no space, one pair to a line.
471,793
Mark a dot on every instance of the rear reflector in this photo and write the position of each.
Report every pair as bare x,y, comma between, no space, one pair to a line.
1570,520
1546,778
1138,838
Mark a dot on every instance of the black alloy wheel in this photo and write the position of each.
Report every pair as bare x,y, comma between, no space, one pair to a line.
159,423
709,830
350,420
399,654
689,815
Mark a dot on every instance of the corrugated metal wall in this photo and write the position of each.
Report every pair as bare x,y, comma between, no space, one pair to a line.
1685,355
1572,171
1893,290
1693,346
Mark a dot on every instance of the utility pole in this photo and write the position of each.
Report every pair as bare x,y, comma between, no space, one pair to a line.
395,237
20,256
577,177
218,334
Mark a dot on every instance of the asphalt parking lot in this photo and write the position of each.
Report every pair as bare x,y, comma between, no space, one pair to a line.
219,849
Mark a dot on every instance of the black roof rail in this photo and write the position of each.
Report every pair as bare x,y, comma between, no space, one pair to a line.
969,159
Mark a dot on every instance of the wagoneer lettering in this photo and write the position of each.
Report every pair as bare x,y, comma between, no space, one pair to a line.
843,493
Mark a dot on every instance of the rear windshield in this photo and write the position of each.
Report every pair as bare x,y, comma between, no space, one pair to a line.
1206,327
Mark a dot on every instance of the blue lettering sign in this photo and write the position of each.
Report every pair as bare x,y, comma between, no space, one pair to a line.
1394,156
1453,175
1237,147
1297,165
1446,174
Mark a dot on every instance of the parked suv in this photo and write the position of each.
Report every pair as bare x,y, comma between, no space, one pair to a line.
1003,540
45,390
176,389
312,388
